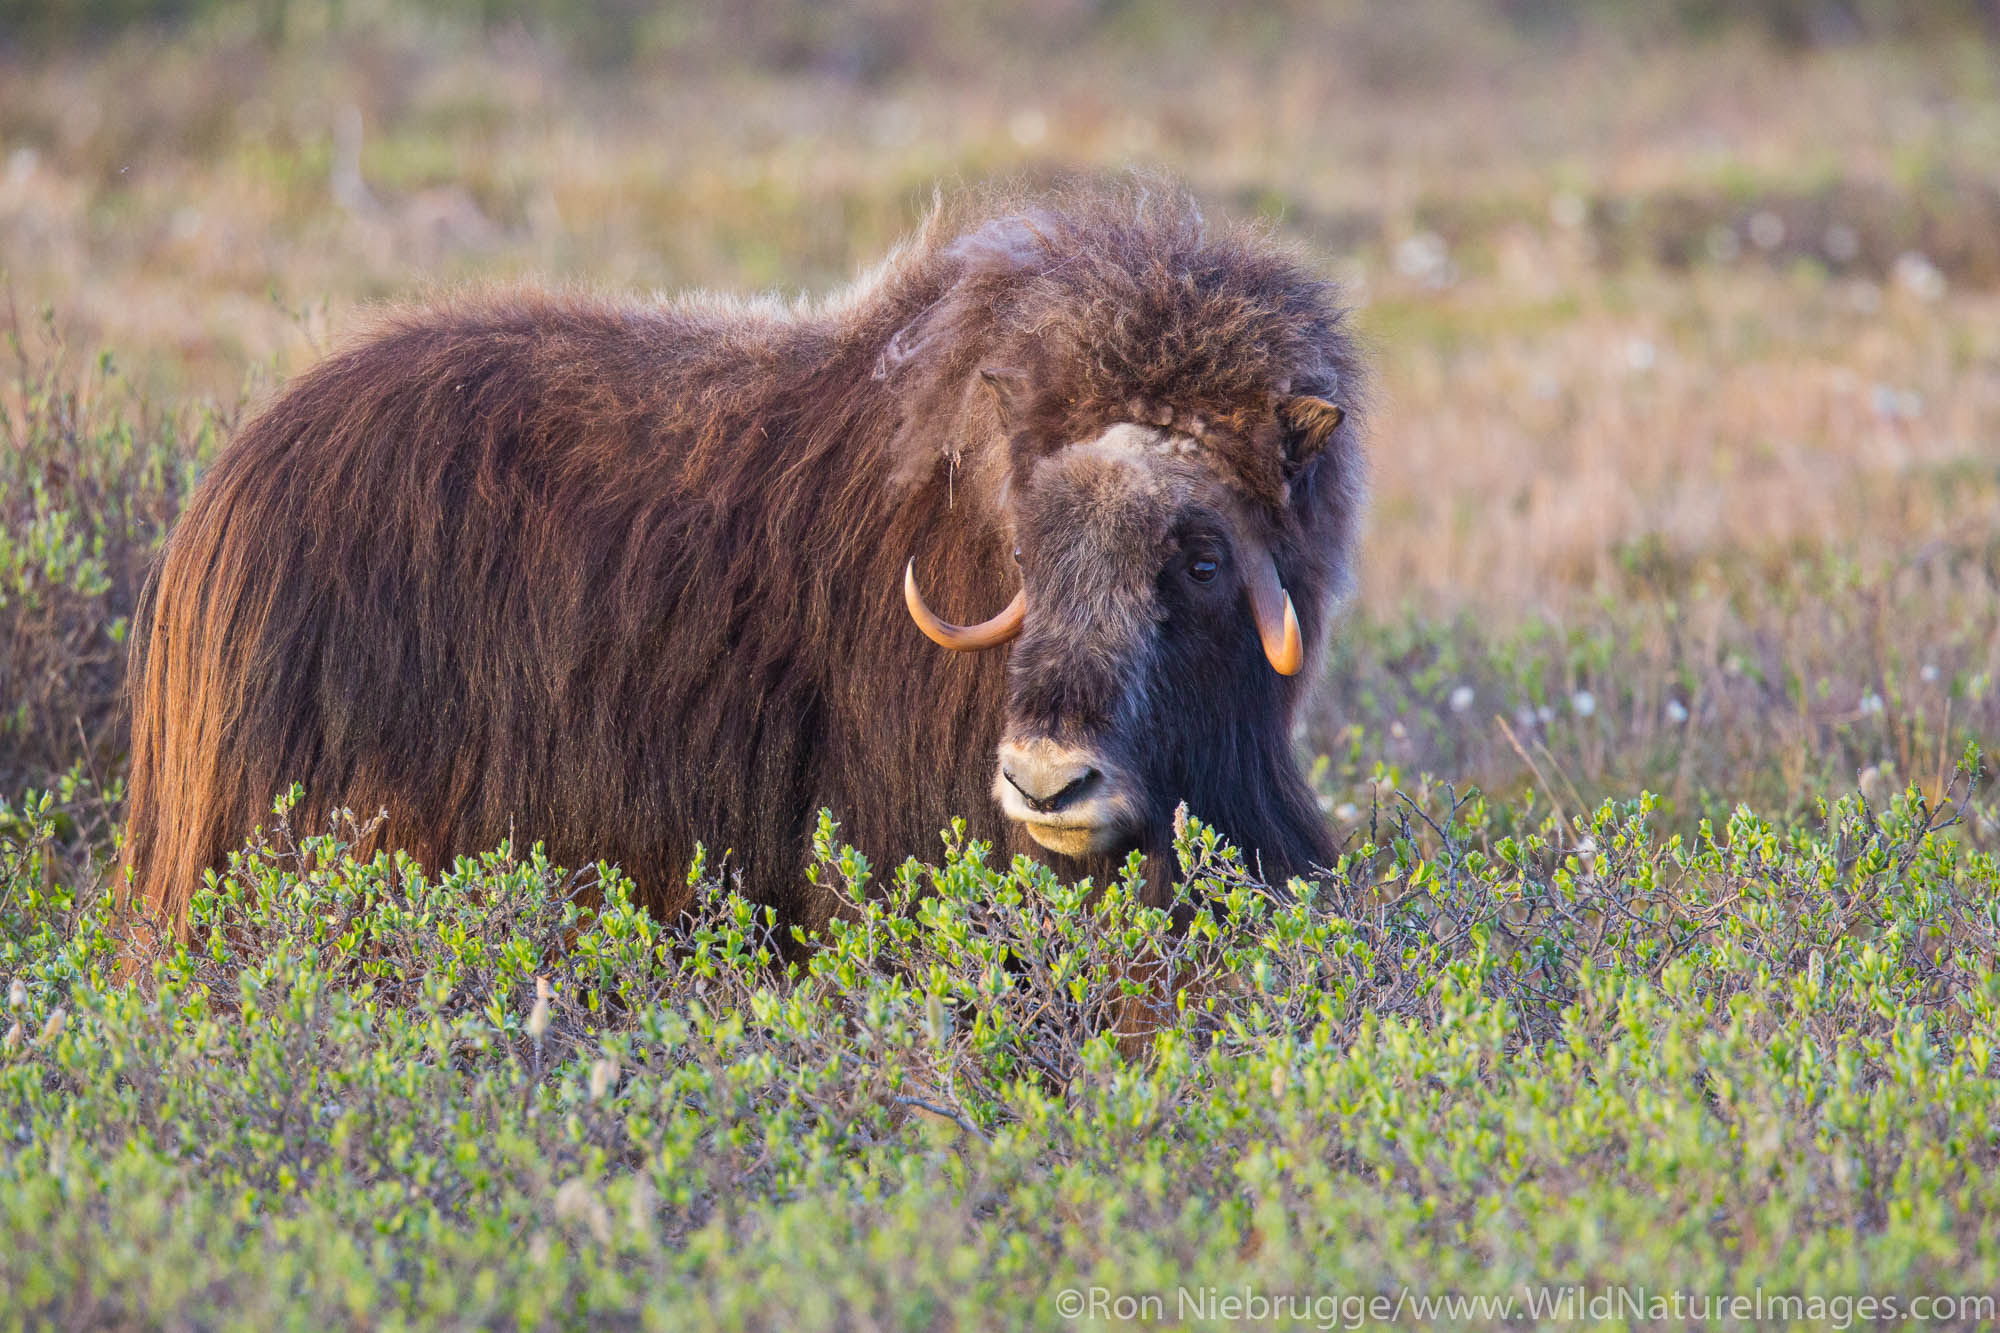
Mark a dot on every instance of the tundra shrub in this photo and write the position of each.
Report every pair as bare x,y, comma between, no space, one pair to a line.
89,484
1459,1066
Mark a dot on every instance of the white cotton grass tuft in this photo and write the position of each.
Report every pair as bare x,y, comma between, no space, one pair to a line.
1028,127
640,1204
1677,712
1462,698
1583,703
1426,257
577,1202
1917,275
538,1017
1569,210
17,994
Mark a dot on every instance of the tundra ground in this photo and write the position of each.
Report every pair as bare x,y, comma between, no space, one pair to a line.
1687,483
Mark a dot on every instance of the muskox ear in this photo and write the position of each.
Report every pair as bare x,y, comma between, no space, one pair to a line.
1011,394
1309,423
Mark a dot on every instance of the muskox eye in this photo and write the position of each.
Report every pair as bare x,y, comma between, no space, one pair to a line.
1017,555
1201,571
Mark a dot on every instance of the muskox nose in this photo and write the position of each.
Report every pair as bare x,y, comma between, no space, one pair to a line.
1049,777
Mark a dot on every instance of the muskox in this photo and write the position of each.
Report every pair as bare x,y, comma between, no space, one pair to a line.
621,576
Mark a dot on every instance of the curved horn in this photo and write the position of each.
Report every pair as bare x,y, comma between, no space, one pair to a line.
1277,622
963,638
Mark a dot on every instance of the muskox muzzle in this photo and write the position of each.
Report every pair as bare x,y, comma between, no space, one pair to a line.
1071,800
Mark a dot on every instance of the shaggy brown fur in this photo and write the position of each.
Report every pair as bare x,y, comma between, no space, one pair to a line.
620,577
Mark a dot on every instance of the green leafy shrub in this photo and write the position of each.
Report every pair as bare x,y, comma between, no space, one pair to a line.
371,1095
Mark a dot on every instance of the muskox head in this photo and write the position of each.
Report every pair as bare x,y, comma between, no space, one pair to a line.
1153,638
1147,412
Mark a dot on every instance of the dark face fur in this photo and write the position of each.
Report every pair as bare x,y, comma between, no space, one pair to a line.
1152,417
1139,679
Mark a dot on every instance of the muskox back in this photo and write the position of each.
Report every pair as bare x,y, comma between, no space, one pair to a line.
616,578
563,572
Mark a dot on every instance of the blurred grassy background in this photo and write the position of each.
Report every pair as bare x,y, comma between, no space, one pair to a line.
1688,314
